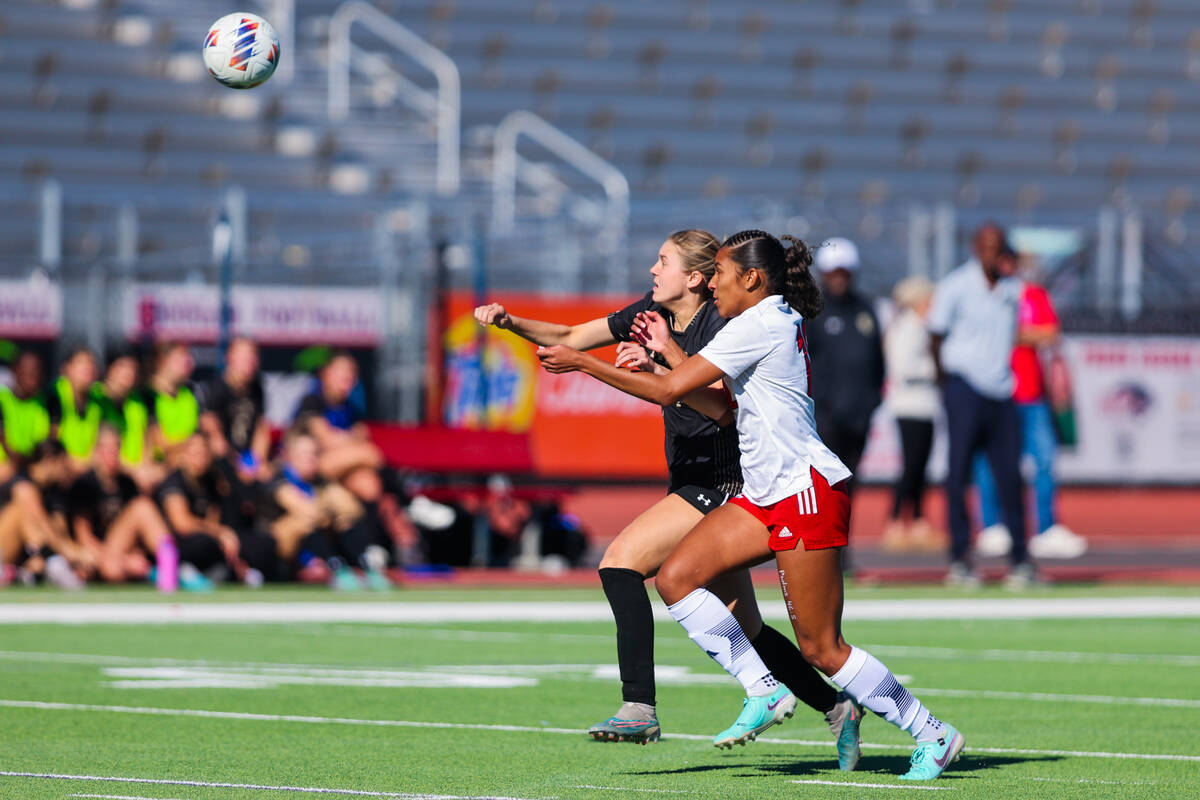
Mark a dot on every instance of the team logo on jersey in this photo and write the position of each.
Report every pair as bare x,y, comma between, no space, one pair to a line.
864,323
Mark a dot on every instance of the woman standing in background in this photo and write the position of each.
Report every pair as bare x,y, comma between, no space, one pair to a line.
912,397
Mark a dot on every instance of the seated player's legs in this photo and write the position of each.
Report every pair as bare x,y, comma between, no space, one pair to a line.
257,549
288,532
339,505
201,550
356,465
138,523
11,538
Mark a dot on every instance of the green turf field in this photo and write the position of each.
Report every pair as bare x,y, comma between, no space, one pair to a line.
1049,707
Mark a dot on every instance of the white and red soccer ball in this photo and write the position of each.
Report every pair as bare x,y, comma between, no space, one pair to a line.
241,50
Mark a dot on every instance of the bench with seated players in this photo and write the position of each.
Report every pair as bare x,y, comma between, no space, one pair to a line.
108,478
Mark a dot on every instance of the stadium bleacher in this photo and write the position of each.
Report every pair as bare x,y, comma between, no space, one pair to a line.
828,118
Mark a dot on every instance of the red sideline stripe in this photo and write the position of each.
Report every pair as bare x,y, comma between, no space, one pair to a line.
453,450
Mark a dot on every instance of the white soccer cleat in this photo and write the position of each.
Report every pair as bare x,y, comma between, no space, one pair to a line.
994,540
1058,541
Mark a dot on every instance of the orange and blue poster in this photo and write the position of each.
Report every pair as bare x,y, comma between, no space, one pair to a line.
577,426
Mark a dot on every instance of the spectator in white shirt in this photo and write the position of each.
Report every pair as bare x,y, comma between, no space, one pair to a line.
912,398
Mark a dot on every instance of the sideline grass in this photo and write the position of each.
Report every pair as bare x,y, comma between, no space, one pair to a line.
332,666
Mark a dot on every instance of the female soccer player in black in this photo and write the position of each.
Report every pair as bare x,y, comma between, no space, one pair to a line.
702,456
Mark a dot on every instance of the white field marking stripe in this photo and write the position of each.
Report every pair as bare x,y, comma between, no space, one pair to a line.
396,723
879,785
665,673
400,612
1093,780
631,789
1063,656
174,677
184,672
454,634
253,786
899,651
374,632
988,694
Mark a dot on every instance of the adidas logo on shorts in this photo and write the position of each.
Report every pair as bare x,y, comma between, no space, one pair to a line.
784,533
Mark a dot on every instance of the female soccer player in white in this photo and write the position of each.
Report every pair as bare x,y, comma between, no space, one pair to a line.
702,457
794,492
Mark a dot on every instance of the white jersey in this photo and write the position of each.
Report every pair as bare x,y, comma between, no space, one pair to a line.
765,360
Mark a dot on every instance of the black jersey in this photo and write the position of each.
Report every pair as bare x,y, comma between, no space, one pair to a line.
270,509
239,412
100,502
201,494
54,498
699,452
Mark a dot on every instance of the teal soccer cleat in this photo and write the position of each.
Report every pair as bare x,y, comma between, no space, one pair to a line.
930,759
844,721
758,714
638,725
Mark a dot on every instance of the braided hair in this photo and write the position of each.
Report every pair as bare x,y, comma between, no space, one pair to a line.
786,268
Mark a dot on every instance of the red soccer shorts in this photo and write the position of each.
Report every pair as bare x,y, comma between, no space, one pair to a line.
818,516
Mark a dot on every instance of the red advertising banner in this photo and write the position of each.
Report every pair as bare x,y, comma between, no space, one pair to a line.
577,426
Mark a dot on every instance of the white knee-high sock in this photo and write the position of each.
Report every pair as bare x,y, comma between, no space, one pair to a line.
868,681
709,624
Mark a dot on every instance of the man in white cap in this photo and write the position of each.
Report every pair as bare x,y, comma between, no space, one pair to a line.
846,349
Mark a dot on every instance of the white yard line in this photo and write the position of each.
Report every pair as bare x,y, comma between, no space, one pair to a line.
816,782
396,723
1103,699
1093,780
492,676
1036,656
401,612
250,786
631,789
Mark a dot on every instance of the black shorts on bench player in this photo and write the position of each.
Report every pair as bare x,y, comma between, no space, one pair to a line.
702,458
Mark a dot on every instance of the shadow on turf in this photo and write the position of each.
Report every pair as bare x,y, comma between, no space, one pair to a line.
887,766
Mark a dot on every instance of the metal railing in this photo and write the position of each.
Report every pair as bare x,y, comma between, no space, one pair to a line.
446,105
505,169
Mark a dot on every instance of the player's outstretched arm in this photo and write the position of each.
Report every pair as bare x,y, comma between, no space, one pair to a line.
694,374
594,333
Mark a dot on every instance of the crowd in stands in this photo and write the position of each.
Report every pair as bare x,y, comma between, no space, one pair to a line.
112,477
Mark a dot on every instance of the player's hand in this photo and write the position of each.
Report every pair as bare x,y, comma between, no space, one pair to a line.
493,314
230,544
631,355
650,329
558,358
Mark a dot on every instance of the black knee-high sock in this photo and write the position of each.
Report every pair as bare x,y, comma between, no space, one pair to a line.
789,668
626,592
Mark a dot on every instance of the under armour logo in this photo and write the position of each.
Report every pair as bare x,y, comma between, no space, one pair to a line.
784,533
704,499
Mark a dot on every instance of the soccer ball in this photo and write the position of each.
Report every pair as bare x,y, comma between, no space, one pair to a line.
241,50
